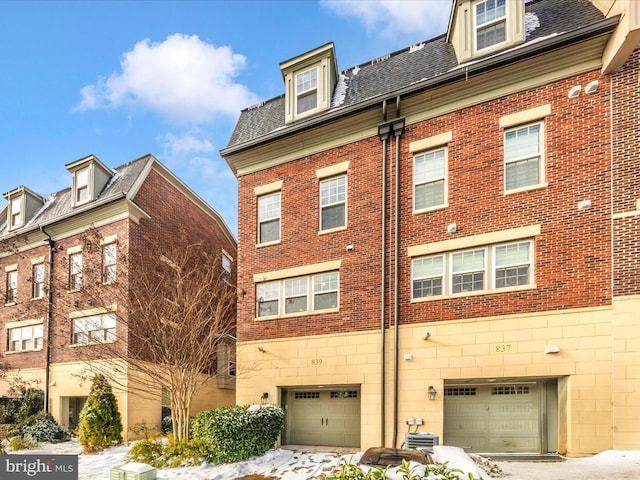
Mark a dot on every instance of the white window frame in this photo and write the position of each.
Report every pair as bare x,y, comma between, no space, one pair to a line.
431,179
84,186
267,214
489,269
315,285
16,216
38,277
333,195
86,330
75,271
307,91
539,155
12,287
478,27
25,339
109,262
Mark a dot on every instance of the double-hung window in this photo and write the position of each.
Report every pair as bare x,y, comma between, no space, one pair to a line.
82,186
109,262
75,271
94,329
333,203
12,287
307,293
429,179
226,268
307,90
15,215
25,338
490,23
523,156
487,268
38,280
269,218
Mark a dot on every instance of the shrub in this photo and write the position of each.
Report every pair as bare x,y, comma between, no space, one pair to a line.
236,433
19,443
44,429
100,425
149,451
167,424
407,471
32,403
173,454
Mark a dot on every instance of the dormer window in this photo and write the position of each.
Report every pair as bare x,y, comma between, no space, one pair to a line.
90,176
22,206
307,90
309,80
481,27
490,23
15,213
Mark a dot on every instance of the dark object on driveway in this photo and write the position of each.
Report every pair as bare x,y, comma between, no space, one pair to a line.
394,456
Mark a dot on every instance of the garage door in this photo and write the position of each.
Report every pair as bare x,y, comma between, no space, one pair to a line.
324,417
493,418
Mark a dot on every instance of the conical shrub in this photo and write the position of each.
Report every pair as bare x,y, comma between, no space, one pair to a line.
100,423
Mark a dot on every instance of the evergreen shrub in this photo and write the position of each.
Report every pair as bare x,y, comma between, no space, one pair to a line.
100,423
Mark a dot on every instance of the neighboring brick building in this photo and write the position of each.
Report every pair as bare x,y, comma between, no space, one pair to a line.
128,210
429,236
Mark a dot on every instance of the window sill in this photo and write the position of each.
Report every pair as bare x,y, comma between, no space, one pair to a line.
32,299
431,209
15,352
76,345
537,186
10,304
74,290
268,244
332,230
474,294
297,314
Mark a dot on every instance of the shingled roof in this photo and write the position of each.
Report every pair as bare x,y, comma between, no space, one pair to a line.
58,205
415,66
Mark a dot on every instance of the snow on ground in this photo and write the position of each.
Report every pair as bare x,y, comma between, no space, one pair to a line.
287,464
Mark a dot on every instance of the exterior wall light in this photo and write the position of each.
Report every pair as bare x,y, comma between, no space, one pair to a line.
432,392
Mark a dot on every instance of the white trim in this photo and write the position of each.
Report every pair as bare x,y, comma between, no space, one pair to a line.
297,271
11,268
76,249
431,142
109,239
24,323
525,116
336,169
93,311
269,188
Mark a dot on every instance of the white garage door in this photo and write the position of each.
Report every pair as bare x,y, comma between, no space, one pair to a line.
493,418
324,417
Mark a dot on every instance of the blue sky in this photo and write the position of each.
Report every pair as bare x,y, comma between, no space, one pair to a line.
119,79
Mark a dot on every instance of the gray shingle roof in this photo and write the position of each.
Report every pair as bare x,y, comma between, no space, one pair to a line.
407,67
58,205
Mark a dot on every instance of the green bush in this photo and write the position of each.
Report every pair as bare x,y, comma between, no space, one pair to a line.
236,433
19,443
32,403
349,471
149,451
100,425
173,454
43,429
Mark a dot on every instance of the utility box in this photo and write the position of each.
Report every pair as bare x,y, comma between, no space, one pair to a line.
421,441
133,471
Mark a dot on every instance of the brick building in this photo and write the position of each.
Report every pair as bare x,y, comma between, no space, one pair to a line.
445,239
50,255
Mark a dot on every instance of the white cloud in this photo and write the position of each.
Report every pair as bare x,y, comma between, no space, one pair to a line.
193,154
395,18
183,79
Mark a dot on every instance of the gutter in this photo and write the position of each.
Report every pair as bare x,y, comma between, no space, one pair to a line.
462,71
47,360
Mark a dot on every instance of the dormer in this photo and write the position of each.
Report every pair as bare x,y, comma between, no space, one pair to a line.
309,82
481,27
22,206
90,176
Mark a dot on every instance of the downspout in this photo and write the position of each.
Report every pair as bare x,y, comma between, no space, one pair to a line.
47,359
383,132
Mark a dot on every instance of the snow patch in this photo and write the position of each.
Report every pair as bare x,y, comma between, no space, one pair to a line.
340,92
531,22
416,47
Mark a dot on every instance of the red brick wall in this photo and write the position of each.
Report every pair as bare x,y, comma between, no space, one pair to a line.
626,176
573,252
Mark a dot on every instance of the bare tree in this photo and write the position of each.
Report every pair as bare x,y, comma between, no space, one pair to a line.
174,310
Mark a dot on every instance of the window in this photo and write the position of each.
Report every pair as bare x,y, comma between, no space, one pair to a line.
15,213
307,90
523,156
481,269
226,268
25,338
94,329
491,23
12,287
109,262
269,218
82,186
429,179
296,295
75,271
333,203
38,280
